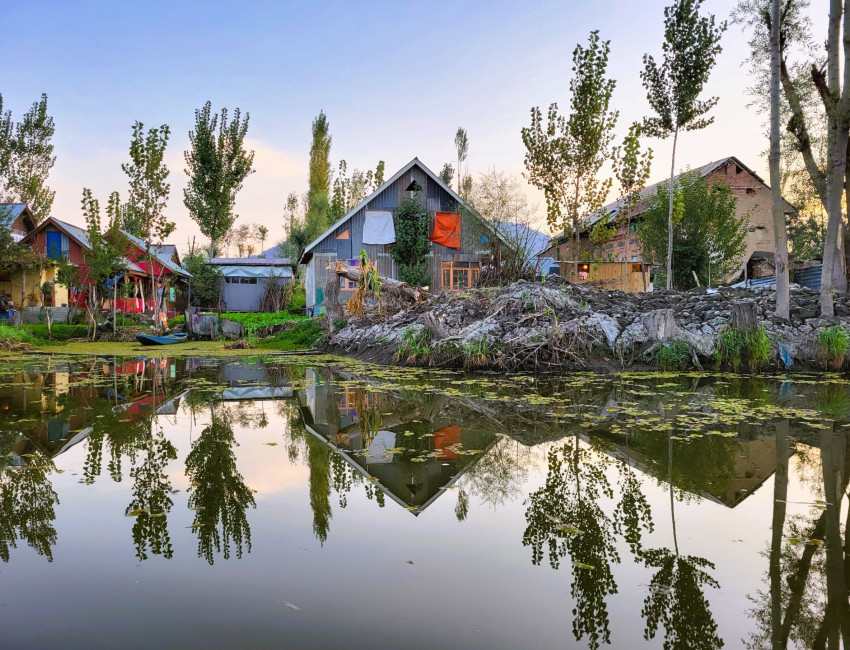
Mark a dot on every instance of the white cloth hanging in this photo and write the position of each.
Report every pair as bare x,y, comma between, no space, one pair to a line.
378,227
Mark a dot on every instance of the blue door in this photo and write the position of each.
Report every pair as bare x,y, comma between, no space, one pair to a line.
54,244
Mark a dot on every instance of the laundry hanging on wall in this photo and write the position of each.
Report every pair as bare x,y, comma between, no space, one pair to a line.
378,227
447,229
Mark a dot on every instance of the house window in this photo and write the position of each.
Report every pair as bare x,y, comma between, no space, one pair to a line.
633,227
345,234
344,283
460,275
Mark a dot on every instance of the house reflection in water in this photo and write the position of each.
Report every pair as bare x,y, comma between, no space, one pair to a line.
52,409
415,449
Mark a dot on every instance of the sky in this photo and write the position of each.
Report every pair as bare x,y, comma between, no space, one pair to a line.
396,79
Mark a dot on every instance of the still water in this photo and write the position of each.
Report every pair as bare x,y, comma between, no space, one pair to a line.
268,503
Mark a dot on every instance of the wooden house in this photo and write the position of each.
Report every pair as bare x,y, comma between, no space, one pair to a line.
18,218
56,240
754,202
461,241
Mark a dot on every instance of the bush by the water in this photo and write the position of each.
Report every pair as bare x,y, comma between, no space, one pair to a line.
675,355
833,343
303,335
736,346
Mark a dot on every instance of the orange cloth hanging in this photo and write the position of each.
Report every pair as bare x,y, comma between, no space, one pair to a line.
447,229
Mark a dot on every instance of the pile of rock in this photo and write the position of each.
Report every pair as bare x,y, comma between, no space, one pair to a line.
560,325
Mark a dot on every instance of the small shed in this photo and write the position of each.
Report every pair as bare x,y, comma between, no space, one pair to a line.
245,279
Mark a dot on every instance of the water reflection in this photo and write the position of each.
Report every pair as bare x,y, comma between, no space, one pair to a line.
609,478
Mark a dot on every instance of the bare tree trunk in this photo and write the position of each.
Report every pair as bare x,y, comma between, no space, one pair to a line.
670,213
154,299
838,131
780,496
745,315
780,236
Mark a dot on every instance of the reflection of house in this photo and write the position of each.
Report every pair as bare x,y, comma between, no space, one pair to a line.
371,441
244,279
460,239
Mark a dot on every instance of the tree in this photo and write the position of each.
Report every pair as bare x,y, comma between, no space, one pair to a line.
690,49
217,166
149,192
500,200
32,159
349,191
447,173
563,158
805,235
631,169
412,243
319,187
709,236
205,279
262,235
6,147
462,147
780,248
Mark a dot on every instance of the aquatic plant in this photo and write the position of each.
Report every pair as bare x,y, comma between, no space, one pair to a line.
833,343
735,346
415,347
675,355
476,353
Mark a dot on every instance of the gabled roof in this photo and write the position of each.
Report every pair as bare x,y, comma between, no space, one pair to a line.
162,253
706,170
415,162
250,261
77,234
9,212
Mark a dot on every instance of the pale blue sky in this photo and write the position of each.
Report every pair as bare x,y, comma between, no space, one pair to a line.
395,78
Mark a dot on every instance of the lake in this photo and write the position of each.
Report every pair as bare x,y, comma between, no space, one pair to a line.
297,502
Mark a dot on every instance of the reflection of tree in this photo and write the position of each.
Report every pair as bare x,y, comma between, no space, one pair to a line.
676,601
318,458
496,476
27,507
152,498
633,514
570,501
218,494
121,436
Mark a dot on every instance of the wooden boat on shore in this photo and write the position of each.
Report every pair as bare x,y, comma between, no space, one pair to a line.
168,339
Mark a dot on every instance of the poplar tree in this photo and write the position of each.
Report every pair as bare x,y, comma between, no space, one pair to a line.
32,159
6,132
673,85
564,155
447,174
462,147
217,164
149,190
319,187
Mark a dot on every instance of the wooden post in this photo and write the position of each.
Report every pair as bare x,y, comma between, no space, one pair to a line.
745,315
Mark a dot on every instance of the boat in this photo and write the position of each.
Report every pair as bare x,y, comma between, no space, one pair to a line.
168,339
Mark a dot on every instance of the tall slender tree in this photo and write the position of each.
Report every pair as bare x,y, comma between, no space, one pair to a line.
462,147
780,235
447,174
32,160
149,191
217,164
673,86
319,187
6,146
564,156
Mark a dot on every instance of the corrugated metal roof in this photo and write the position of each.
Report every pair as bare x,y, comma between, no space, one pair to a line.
77,233
251,261
10,211
162,254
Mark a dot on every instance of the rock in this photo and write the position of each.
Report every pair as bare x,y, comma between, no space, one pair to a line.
608,326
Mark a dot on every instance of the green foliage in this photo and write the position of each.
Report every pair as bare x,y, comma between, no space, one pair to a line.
217,165
833,343
675,355
412,243
32,159
349,191
673,86
254,321
707,230
564,156
145,216
447,174
477,353
39,334
805,237
13,256
736,346
206,279
302,336
415,347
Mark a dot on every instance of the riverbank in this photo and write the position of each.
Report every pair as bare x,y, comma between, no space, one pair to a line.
560,326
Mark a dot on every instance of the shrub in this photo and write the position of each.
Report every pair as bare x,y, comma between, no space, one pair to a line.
735,346
301,336
415,347
675,355
833,343
476,353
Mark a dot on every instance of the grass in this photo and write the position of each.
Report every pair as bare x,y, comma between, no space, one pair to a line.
675,355
833,343
253,321
476,353
415,347
302,336
736,347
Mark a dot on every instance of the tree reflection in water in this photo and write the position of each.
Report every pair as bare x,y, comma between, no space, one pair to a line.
151,501
27,506
218,493
566,517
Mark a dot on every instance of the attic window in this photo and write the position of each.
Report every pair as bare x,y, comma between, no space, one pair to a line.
345,234
750,191
738,170
414,187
